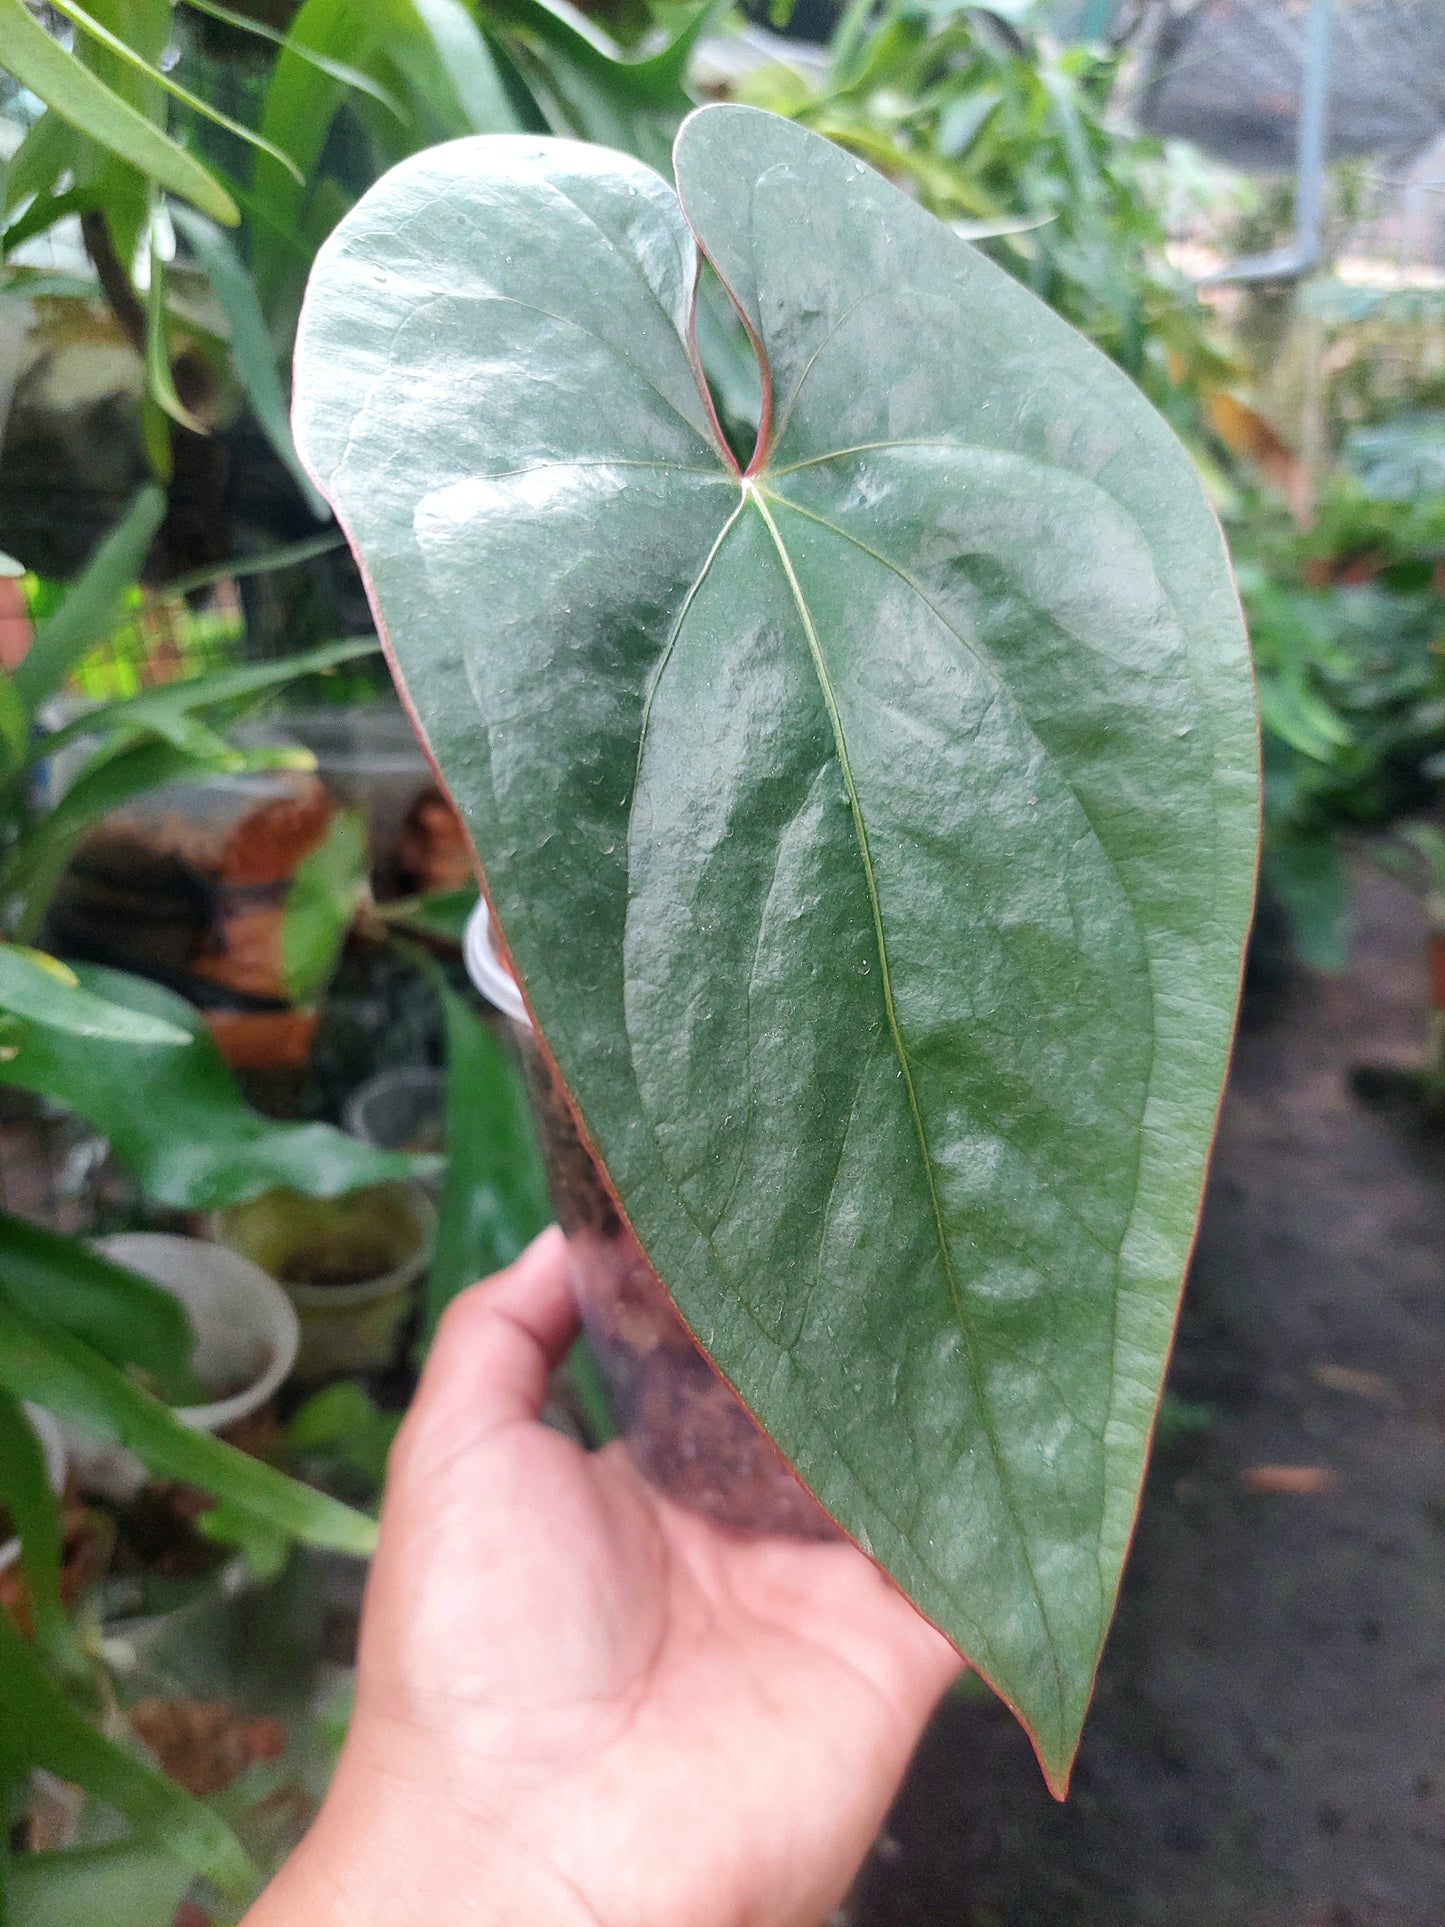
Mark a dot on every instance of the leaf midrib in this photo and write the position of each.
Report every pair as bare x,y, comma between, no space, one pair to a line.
996,676
830,702
980,1647
874,555
1109,1588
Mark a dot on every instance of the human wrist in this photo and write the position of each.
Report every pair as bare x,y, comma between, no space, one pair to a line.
391,1847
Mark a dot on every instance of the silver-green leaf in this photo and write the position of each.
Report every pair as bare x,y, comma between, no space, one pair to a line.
873,832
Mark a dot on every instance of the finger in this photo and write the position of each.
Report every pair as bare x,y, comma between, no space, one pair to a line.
497,1343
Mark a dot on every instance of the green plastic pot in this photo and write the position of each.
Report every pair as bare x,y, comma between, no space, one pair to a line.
352,1266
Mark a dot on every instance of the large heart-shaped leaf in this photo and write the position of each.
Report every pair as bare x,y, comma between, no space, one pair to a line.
873,832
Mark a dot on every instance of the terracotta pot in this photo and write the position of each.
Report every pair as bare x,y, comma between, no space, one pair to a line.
189,885
686,1427
264,1040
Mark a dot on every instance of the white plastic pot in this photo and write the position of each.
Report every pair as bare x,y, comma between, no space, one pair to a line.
246,1328
52,1444
247,1336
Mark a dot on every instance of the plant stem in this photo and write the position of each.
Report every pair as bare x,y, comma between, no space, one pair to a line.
123,301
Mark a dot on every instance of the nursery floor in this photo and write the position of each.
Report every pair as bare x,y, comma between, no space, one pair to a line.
1266,1746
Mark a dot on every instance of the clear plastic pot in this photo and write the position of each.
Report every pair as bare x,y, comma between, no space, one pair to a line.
402,1109
687,1429
247,1336
368,757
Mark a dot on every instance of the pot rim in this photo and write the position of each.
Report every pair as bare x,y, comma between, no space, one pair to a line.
388,1284
401,1278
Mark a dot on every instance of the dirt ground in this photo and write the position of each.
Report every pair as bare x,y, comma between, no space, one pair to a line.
1266,1746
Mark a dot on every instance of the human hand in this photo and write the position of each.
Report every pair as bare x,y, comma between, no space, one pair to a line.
579,1705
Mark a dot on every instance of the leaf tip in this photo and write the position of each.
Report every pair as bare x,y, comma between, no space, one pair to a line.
1058,1772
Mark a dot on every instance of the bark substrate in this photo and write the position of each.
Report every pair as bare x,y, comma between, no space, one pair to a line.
685,1426
1265,1749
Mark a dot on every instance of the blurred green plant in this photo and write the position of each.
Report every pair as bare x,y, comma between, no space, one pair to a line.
341,1436
53,1697
117,750
1347,623
1008,137
200,220
1414,853
1402,461
328,889
173,1114
494,1196
84,1338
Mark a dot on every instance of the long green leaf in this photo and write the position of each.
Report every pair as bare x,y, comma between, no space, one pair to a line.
155,711
253,353
873,833
205,747
113,43
450,87
48,152
14,724
656,79
175,1118
128,1319
40,63
584,84
125,196
444,55
47,992
263,562
41,1362
39,1727
341,70
44,213
160,383
127,1883
91,610
327,890
494,1195
35,1513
